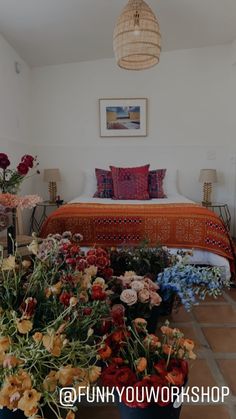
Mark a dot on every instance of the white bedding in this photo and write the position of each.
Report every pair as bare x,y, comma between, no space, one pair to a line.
172,199
199,256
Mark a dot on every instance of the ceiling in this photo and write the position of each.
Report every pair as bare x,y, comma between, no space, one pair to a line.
46,32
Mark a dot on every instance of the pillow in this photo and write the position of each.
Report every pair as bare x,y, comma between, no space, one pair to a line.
155,183
130,182
104,184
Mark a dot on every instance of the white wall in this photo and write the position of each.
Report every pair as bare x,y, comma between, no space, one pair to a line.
191,118
15,97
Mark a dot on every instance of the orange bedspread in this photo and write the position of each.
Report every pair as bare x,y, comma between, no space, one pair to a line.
173,225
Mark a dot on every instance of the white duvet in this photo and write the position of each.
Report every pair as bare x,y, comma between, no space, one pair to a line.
199,256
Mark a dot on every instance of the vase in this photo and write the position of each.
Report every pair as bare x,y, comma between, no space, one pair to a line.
9,414
11,234
152,320
151,412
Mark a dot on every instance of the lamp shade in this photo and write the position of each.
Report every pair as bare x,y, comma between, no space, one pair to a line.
51,175
136,37
208,176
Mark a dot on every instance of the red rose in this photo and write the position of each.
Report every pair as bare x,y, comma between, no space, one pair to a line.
101,252
22,169
107,273
98,293
91,259
117,314
74,250
102,262
71,261
4,161
91,252
28,160
65,298
82,265
87,311
27,308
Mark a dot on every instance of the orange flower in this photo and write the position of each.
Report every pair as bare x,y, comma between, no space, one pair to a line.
70,415
167,330
68,374
167,349
56,288
29,402
152,342
25,380
24,326
83,296
94,373
38,336
53,343
10,361
105,352
73,301
140,324
188,344
5,342
141,364
50,382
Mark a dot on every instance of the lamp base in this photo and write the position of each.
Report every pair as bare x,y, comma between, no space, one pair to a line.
52,187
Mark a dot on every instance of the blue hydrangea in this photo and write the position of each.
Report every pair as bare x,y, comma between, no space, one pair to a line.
191,283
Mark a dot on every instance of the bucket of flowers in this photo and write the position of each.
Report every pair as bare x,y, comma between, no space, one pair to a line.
144,369
53,314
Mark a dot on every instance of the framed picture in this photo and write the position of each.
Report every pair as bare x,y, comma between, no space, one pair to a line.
123,117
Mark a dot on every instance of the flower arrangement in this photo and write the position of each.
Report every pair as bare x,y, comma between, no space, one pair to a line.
191,283
138,294
142,260
10,180
136,358
53,317
12,201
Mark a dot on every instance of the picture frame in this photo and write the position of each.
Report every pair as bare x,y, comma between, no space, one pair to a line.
123,117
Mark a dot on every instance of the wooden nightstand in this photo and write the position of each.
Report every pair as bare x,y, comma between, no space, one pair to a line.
222,210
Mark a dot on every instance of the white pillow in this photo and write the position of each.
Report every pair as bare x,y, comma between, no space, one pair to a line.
170,182
90,185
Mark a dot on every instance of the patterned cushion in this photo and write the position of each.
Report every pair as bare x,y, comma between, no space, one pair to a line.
155,183
130,182
104,184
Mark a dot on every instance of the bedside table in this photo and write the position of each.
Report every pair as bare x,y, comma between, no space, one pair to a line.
222,210
40,214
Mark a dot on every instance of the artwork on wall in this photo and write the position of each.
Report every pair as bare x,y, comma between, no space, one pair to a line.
123,117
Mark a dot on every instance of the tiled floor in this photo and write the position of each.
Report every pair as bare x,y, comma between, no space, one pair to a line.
212,325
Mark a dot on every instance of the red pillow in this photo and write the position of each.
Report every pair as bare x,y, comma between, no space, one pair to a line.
155,183
130,182
104,184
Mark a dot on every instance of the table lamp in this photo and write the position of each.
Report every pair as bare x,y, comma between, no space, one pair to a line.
52,176
207,177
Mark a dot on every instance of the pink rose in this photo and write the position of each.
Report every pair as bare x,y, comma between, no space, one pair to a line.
144,296
155,299
137,285
129,297
149,284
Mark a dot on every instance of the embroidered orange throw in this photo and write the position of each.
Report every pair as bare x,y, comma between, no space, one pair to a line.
173,225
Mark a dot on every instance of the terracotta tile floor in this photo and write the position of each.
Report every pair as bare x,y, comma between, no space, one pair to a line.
212,325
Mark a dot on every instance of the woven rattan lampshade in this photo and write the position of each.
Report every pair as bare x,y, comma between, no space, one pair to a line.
136,37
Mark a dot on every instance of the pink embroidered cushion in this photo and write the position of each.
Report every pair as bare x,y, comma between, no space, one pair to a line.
155,183
130,182
104,184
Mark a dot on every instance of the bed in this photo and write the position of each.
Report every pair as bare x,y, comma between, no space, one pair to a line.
176,222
